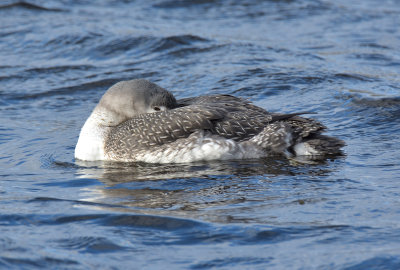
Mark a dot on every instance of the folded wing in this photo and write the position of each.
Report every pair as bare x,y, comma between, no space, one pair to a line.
230,117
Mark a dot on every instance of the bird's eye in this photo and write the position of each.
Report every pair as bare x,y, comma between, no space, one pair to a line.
157,109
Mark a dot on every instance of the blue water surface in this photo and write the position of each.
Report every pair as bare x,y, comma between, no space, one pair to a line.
339,59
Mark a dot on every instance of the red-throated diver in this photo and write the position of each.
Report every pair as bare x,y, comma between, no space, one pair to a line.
138,120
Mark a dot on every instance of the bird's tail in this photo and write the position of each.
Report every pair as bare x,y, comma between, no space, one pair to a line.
293,141
318,146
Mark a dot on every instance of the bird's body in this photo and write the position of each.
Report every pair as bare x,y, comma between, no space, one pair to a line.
139,121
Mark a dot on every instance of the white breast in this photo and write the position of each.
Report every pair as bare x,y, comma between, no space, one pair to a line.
90,144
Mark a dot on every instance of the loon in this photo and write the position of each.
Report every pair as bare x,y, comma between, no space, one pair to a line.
139,121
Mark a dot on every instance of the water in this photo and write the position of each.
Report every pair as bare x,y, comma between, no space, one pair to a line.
338,58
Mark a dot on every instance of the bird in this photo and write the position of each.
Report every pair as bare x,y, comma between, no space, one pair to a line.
139,121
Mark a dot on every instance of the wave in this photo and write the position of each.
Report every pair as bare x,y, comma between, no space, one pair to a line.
188,231
145,45
28,6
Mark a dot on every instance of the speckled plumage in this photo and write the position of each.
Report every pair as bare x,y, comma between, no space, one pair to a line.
206,127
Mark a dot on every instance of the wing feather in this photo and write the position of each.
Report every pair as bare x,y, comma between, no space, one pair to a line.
159,128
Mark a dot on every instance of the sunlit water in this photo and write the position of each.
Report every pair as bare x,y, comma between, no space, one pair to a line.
340,59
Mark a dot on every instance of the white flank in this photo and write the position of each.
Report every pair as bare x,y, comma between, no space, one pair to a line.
304,149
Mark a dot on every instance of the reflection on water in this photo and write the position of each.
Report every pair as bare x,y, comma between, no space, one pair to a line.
112,173
197,189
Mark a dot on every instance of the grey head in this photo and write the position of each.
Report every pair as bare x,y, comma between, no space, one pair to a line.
127,99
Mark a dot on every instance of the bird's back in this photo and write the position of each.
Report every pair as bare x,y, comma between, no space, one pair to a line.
224,116
243,120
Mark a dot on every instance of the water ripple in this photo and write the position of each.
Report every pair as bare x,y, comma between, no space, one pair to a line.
89,244
43,262
378,262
